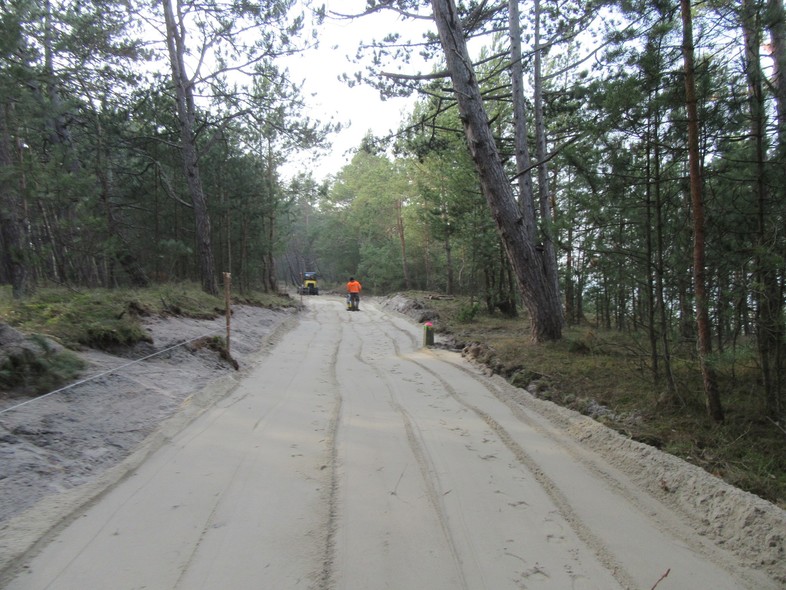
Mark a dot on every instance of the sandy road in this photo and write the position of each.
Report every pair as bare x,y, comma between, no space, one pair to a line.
352,459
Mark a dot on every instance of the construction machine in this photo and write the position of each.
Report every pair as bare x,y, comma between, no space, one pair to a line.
309,285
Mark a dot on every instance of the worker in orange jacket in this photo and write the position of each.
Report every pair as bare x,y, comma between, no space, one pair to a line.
353,293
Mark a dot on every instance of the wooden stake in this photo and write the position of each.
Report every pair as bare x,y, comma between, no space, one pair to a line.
227,307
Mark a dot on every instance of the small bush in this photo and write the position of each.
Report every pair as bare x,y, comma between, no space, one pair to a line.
467,313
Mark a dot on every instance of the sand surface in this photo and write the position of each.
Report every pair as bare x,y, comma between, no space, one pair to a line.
345,455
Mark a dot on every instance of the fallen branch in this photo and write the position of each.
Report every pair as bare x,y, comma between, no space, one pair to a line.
663,577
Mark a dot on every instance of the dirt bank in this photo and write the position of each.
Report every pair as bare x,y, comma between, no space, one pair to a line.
67,440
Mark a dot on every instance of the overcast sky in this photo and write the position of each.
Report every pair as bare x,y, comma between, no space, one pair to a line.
329,98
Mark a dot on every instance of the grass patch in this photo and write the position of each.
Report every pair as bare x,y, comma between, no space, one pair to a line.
35,367
99,318
111,318
607,375
93,318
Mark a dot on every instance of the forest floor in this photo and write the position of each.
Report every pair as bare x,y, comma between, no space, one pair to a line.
58,450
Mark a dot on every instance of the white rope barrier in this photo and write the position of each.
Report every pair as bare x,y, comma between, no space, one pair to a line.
144,358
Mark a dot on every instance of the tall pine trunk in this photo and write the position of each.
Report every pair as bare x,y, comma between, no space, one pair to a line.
128,261
546,224
529,262
711,393
270,261
402,241
776,25
523,160
186,116
11,216
659,322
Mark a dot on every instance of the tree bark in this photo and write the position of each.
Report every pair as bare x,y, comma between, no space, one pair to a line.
186,116
11,232
544,193
769,326
128,261
270,276
652,267
537,290
449,271
711,393
660,268
523,160
402,241
776,25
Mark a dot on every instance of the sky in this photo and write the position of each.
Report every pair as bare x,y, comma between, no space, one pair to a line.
360,108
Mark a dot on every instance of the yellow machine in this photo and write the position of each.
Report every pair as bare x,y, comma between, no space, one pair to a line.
309,286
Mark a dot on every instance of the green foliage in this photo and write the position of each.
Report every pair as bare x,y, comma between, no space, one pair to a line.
417,221
96,319
468,312
359,220
105,195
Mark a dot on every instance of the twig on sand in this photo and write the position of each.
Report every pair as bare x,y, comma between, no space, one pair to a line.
393,493
663,577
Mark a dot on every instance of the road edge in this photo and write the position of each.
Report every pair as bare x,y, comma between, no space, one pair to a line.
27,533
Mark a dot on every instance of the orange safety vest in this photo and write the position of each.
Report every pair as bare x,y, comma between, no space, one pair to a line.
353,287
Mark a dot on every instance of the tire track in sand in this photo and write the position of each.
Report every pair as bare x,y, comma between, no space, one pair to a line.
325,580
427,470
604,555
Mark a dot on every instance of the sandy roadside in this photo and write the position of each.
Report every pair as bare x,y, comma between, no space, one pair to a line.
437,452
61,452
